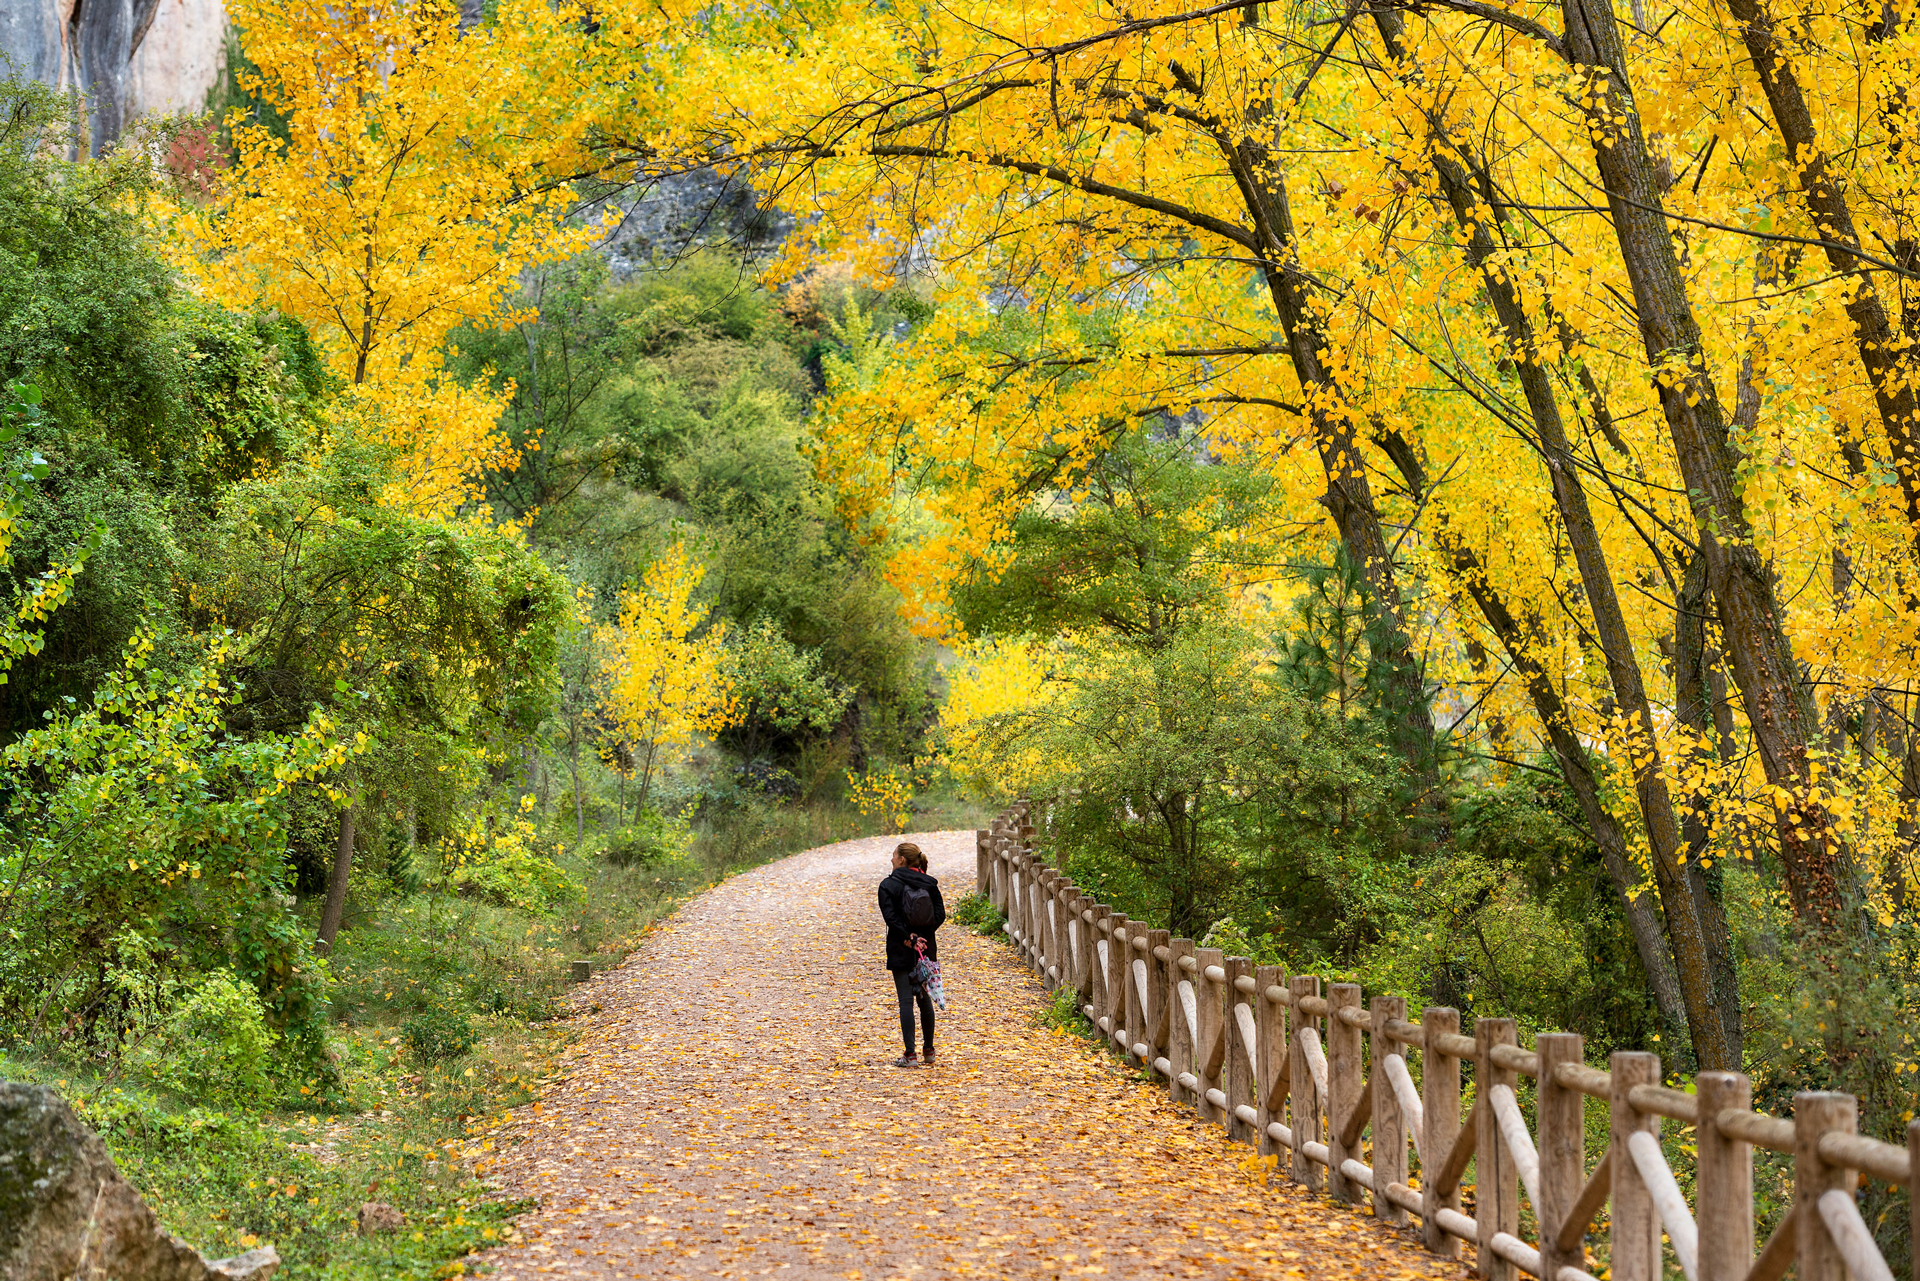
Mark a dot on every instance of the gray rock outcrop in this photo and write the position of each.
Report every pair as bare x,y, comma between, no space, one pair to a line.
182,58
667,216
66,1214
129,57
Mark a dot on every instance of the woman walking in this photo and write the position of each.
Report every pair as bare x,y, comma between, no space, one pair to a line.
910,904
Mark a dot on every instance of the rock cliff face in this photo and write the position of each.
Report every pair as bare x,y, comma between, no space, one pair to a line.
182,58
129,57
680,213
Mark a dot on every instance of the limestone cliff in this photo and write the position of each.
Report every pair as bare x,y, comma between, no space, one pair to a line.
129,57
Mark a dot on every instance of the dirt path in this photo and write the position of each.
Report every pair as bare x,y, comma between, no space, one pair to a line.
730,1112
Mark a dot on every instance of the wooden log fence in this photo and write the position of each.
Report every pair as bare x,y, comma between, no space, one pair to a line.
1326,1085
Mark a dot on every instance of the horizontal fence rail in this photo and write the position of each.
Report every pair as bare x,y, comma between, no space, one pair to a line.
1323,1082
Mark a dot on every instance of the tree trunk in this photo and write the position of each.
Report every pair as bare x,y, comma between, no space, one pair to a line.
1685,929
646,780
1183,908
1692,698
579,805
1522,649
1814,856
1907,827
1349,496
336,904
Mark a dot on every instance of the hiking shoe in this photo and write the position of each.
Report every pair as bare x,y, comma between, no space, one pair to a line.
927,1058
906,1060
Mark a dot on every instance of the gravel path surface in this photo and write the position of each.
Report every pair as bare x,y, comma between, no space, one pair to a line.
730,1112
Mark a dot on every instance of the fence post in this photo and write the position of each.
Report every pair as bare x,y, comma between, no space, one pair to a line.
1037,913
1440,1100
1043,878
1133,1010
982,872
1496,1187
1096,966
1030,908
1157,992
1117,977
1242,1053
1562,1140
1305,1105
1023,903
1010,868
1079,934
1209,1046
1271,1017
1344,1081
1016,881
1816,1113
1182,1032
994,887
1059,940
1066,913
1050,883
1636,1227
1389,1127
1016,898
1723,1178
995,865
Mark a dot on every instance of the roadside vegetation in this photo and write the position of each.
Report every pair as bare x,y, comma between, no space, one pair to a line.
319,772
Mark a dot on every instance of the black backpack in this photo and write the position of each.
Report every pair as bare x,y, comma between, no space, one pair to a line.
916,904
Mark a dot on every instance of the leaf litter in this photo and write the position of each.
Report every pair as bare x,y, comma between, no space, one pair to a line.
730,1111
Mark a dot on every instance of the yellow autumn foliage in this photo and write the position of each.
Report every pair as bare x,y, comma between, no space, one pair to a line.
1338,248
990,678
423,170
665,681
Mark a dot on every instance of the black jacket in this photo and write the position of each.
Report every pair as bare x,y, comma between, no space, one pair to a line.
900,957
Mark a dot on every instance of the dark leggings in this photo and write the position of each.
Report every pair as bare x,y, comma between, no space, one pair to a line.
903,986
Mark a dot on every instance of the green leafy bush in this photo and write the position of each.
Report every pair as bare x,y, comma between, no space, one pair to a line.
780,693
977,913
216,1046
139,814
1063,1014
500,862
1235,939
517,877
437,1036
652,840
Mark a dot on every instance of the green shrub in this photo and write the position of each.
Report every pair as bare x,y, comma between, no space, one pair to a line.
1063,1014
977,913
1235,939
216,1046
653,839
501,863
437,1036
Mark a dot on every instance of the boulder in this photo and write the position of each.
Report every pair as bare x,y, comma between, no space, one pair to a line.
378,1216
66,1214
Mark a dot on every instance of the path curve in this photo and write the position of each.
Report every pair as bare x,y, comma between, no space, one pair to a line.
729,1112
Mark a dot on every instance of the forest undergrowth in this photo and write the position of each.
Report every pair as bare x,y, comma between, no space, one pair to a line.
443,1011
